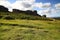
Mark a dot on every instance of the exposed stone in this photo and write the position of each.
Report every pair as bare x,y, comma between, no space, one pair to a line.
29,12
3,9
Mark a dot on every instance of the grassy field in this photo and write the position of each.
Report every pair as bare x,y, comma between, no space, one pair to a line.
28,27
29,30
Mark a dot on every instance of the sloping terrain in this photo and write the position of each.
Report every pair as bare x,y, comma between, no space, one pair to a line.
27,27
29,30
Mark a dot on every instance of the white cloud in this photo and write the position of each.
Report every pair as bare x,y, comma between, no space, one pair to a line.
42,5
39,5
46,5
6,4
47,11
19,4
46,8
57,6
27,1
23,4
3,0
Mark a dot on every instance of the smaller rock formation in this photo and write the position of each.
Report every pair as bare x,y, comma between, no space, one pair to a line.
44,16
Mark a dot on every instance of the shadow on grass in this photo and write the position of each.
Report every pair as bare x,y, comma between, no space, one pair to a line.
21,25
1,17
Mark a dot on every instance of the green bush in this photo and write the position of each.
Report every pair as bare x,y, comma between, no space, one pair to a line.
9,18
12,16
1,17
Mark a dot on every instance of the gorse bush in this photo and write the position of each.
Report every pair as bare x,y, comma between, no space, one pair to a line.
1,17
9,18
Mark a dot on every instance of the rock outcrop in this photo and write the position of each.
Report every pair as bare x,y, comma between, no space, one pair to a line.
29,12
18,11
3,9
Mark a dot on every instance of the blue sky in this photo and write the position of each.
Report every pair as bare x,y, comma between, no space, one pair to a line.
43,6
51,1
11,1
44,1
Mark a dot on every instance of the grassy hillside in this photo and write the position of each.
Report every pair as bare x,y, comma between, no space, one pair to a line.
39,28
21,16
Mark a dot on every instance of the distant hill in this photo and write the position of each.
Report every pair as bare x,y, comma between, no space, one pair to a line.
20,14
57,18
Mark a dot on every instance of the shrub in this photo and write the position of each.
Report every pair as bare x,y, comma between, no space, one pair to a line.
9,18
1,17
4,30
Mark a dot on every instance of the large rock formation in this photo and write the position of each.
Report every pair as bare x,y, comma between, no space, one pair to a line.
3,9
29,12
18,11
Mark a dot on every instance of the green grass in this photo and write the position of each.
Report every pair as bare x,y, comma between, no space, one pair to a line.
29,30
22,16
28,27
